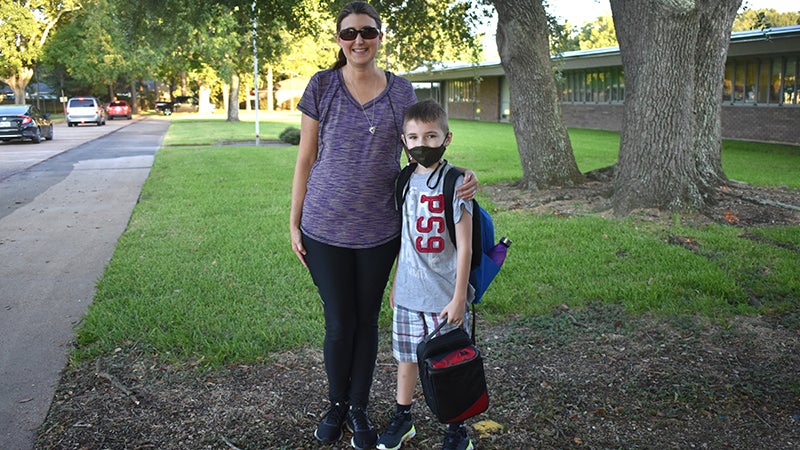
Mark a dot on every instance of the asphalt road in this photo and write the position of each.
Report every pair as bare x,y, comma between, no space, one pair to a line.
63,205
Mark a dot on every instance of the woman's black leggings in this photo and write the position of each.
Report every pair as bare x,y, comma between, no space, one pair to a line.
351,283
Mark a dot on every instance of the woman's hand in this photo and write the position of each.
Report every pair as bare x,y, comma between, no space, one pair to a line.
297,245
470,186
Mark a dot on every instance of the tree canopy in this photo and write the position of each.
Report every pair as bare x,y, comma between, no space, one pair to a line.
90,47
217,34
598,34
757,19
25,27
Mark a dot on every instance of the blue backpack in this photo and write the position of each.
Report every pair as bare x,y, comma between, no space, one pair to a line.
483,269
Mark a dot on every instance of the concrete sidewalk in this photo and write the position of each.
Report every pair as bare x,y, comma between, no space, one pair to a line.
59,223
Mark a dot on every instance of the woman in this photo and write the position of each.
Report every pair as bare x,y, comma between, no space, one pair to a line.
344,226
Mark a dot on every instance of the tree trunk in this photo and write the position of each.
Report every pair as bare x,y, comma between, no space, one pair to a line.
134,98
544,146
233,99
205,100
716,21
18,82
247,106
226,95
270,93
670,155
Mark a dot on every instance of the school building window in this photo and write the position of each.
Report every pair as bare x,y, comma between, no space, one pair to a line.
430,90
603,85
462,91
762,81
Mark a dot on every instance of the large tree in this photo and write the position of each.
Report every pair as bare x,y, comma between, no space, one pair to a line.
218,34
420,32
190,36
25,27
91,48
673,54
524,46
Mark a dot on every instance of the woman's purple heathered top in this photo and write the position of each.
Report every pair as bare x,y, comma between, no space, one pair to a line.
350,197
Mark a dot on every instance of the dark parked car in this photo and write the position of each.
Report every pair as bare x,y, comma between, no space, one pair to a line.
118,108
182,103
24,122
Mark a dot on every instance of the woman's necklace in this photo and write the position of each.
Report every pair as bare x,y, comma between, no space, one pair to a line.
370,121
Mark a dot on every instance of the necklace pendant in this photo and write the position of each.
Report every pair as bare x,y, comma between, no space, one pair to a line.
372,130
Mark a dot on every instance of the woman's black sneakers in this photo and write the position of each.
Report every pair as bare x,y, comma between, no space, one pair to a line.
329,429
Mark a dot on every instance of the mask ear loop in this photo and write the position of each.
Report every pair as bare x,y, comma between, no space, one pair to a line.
440,171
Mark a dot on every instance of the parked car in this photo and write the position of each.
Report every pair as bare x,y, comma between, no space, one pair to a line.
24,122
85,110
6,94
181,103
118,108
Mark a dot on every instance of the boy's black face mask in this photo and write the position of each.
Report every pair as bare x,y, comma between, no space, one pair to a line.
427,156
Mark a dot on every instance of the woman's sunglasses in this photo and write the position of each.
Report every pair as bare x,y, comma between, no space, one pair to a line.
350,34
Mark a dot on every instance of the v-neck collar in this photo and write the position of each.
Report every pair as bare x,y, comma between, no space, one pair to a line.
349,95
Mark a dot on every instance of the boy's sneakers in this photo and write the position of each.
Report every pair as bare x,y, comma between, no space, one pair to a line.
329,429
364,434
457,439
400,429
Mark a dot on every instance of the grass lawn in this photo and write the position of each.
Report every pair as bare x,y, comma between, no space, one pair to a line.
205,272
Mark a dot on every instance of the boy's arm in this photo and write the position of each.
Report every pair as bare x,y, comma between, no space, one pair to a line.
457,307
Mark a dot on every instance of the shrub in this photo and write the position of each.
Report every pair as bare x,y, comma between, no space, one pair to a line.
291,135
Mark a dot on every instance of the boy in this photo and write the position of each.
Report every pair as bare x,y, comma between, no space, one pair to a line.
432,277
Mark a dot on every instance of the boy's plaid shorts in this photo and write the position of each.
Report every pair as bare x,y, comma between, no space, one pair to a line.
409,328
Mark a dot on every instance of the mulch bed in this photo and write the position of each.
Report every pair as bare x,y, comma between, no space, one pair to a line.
595,378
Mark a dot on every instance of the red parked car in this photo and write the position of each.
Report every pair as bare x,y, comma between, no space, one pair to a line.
118,108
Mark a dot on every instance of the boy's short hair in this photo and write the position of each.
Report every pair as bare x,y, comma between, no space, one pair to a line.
427,111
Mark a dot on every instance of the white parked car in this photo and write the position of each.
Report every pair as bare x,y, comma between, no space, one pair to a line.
85,110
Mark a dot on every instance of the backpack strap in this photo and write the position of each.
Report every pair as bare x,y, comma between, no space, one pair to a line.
401,185
472,334
449,193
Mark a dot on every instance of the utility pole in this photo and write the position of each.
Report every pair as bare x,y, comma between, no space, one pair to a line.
255,67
